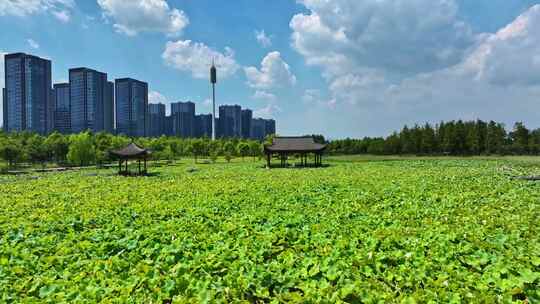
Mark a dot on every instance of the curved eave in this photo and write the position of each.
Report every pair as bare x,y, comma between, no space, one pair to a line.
137,155
273,150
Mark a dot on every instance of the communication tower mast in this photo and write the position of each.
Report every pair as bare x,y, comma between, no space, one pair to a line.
213,80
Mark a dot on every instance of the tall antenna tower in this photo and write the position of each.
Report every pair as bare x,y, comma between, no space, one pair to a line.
213,80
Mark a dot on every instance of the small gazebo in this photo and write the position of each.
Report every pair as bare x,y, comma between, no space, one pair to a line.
131,152
303,146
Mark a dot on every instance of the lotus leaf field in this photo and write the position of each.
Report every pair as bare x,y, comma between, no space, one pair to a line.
401,231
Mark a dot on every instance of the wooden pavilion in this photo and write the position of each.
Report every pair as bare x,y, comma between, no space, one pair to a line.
283,147
131,152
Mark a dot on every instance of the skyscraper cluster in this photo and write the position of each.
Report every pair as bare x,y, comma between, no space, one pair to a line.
89,101
233,121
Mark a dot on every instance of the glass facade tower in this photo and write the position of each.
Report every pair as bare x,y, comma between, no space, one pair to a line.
131,107
183,114
108,108
62,108
247,116
28,105
230,121
88,95
156,115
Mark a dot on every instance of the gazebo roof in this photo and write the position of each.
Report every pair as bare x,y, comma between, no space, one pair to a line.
131,150
294,144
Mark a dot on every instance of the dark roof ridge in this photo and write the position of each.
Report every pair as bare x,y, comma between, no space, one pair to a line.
131,150
294,144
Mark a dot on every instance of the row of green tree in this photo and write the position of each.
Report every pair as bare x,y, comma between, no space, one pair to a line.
447,138
88,149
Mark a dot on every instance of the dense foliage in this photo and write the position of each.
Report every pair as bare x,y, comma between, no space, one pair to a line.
87,148
371,232
452,138
446,138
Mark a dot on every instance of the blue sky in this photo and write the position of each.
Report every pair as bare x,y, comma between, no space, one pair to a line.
340,68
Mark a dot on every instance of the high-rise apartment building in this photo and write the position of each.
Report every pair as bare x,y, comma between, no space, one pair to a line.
169,125
108,106
27,102
230,121
90,100
203,125
156,118
247,116
258,128
4,107
131,107
62,108
270,128
183,114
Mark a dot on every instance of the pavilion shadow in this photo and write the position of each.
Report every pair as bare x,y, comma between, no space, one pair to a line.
293,166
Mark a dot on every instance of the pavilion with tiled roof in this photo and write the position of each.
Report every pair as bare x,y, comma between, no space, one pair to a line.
130,152
283,147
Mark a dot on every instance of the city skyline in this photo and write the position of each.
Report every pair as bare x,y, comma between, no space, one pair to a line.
339,68
90,102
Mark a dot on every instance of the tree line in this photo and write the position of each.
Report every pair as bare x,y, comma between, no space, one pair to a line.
458,138
445,138
87,148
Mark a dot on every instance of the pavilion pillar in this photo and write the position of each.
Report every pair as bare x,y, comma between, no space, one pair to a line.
139,160
145,167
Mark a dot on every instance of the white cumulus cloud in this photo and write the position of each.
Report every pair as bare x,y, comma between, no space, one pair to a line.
62,15
274,73
311,96
263,39
510,56
33,44
262,95
135,16
156,97
22,8
196,58
390,63
400,36
268,111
